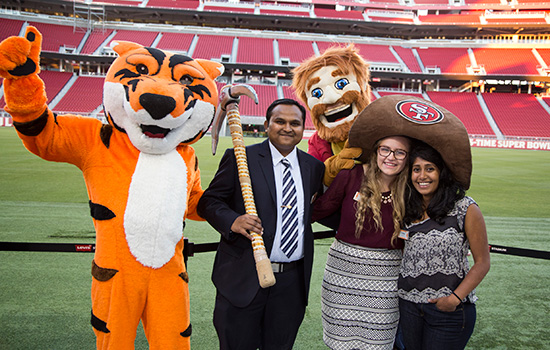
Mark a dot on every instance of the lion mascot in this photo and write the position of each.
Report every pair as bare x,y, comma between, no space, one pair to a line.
141,175
335,88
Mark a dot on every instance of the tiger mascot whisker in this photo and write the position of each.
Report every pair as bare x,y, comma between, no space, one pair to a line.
141,174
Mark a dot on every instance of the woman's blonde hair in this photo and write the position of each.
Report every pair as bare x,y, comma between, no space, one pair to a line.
371,196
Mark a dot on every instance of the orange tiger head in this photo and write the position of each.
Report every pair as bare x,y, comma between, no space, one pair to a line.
160,99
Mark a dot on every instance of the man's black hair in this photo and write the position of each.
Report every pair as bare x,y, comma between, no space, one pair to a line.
285,101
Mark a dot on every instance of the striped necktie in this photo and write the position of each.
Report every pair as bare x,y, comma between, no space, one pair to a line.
289,230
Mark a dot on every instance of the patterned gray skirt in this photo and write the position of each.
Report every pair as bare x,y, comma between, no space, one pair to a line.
359,297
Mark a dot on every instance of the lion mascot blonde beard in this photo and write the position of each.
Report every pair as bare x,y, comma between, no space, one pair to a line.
335,88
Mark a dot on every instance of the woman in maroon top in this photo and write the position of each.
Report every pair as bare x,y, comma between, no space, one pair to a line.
359,291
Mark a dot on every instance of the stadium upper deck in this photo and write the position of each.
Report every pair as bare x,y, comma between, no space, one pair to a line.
404,56
405,19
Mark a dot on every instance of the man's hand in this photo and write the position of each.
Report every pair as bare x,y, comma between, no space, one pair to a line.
245,224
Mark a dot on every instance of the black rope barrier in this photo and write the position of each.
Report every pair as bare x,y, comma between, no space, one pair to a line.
191,248
47,247
530,253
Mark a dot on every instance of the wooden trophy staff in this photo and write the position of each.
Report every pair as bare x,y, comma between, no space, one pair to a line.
229,105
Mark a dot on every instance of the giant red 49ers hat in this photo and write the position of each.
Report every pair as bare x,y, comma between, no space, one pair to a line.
420,119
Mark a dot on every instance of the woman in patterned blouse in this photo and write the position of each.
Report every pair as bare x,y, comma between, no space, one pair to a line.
436,285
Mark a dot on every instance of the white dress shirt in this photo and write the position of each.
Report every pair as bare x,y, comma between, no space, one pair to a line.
277,254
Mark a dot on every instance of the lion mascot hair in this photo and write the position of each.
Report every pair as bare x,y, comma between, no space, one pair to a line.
335,88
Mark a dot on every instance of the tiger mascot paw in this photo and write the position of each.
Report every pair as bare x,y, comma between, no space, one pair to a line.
19,66
19,56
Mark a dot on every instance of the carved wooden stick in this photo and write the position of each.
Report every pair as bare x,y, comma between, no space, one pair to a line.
229,102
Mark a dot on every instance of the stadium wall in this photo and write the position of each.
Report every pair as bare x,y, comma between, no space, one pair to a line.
475,141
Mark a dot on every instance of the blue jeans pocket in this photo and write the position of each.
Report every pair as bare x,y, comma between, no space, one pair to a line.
456,318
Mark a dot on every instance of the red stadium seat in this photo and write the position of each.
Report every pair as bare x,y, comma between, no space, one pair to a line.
518,114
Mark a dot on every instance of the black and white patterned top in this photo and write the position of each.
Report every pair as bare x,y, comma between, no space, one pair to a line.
435,260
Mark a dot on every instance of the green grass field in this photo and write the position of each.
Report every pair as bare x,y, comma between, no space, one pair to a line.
45,297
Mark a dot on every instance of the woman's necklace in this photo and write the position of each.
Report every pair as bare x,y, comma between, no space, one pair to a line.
387,199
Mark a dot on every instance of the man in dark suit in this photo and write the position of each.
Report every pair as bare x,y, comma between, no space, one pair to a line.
246,316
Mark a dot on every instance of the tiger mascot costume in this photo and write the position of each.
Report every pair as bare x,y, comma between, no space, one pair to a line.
141,175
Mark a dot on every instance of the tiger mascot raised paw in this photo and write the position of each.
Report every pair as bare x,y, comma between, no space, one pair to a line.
141,175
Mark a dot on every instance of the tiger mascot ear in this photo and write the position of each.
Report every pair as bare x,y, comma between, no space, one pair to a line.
159,98
214,69
122,47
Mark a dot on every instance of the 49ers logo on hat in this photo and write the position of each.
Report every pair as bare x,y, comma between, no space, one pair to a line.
419,112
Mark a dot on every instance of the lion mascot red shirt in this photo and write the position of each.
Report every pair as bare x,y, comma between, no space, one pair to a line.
335,88
141,176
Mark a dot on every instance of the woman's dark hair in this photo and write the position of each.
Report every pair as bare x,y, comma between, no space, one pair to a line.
447,193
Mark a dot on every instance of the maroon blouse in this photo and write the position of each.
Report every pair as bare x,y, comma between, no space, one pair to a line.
341,194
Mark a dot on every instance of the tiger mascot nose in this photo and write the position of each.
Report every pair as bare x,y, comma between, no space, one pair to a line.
158,106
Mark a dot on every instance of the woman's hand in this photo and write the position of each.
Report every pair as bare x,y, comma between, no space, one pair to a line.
446,304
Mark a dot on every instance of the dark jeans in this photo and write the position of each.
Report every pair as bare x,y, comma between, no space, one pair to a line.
425,327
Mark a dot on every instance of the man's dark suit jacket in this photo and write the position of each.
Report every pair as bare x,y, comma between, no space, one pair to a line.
234,273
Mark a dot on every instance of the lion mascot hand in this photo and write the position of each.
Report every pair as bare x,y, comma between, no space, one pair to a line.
335,88
346,159
141,174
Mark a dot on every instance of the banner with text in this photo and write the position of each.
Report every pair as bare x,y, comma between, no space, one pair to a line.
511,144
474,141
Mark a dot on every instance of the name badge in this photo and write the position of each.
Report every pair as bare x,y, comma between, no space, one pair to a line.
403,234
357,196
